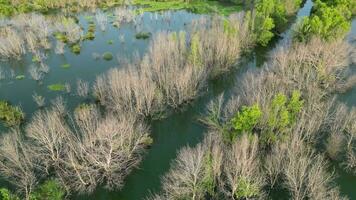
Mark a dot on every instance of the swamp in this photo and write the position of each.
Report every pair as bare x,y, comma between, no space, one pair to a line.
177,99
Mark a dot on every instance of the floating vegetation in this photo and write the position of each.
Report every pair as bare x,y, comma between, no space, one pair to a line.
57,87
11,115
110,42
66,66
107,56
20,77
143,35
76,48
36,59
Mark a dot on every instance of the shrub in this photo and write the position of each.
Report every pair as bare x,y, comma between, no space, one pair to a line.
50,189
11,115
328,22
245,120
5,194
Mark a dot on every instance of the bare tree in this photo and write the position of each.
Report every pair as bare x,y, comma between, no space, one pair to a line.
195,172
40,100
243,178
17,162
82,88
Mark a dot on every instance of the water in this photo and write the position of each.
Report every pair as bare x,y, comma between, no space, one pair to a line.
84,66
171,134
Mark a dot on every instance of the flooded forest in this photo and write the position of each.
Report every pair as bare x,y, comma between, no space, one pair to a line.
177,99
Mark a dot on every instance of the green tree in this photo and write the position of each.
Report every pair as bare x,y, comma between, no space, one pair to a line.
50,189
5,194
328,22
245,120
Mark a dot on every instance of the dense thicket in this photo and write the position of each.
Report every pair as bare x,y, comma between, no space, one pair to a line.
176,67
329,20
265,134
83,151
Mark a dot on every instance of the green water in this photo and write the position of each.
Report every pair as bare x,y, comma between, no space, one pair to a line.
179,129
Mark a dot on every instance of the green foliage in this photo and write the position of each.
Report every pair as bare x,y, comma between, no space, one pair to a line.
76,48
271,15
20,77
195,55
5,194
143,35
51,189
245,120
246,189
11,115
229,29
328,22
61,37
66,66
208,183
195,6
56,87
283,113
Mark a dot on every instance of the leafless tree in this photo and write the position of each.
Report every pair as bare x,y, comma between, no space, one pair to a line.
192,168
102,20
35,72
82,88
40,100
241,169
11,44
17,162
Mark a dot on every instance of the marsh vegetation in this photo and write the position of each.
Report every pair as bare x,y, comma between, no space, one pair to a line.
96,77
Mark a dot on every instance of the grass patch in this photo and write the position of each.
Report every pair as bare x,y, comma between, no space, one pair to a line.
143,35
200,7
57,87
11,115
107,56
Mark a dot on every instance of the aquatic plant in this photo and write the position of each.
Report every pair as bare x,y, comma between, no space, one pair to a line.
76,48
57,87
11,115
143,35
66,66
107,56
20,77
